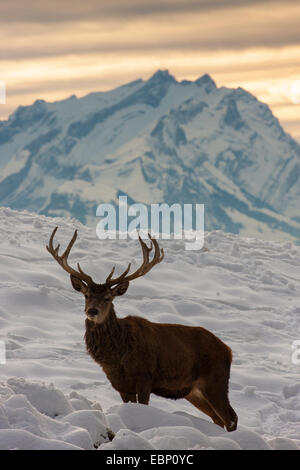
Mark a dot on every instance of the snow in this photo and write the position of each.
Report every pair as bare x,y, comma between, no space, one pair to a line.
54,396
37,416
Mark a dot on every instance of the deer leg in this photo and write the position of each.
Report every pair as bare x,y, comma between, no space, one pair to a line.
196,398
216,396
143,390
126,397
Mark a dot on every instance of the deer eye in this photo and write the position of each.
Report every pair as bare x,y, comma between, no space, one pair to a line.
106,299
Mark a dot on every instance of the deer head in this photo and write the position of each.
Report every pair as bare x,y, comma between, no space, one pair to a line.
99,297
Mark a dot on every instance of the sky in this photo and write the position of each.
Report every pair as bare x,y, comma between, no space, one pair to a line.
52,49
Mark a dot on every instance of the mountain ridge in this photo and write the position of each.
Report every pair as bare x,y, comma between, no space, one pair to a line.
155,140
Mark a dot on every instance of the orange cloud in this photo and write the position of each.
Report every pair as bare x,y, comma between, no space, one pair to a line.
76,48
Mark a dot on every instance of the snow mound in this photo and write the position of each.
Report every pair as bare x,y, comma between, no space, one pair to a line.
37,416
145,427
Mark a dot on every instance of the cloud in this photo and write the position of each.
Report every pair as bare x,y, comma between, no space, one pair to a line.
48,11
53,49
232,29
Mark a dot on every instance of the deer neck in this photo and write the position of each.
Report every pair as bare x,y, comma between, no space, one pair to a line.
104,341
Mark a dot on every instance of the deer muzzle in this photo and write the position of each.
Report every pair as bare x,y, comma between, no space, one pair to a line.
92,312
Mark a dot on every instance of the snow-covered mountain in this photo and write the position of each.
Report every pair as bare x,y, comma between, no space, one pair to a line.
158,140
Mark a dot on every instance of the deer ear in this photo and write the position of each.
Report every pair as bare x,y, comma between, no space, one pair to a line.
120,289
78,284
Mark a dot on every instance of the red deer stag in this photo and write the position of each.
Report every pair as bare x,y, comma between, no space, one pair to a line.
140,357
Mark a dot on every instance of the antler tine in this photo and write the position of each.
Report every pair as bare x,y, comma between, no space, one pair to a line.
111,281
69,247
146,250
88,278
63,259
110,274
158,253
145,266
50,247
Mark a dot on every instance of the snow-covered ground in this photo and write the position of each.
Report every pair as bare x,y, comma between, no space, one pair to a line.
52,394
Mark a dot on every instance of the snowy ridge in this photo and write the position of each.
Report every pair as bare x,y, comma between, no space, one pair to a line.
246,291
158,140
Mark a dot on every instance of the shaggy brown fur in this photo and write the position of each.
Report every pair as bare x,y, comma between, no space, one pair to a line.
140,357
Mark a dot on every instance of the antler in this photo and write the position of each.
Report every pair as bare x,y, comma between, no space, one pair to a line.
63,259
144,268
